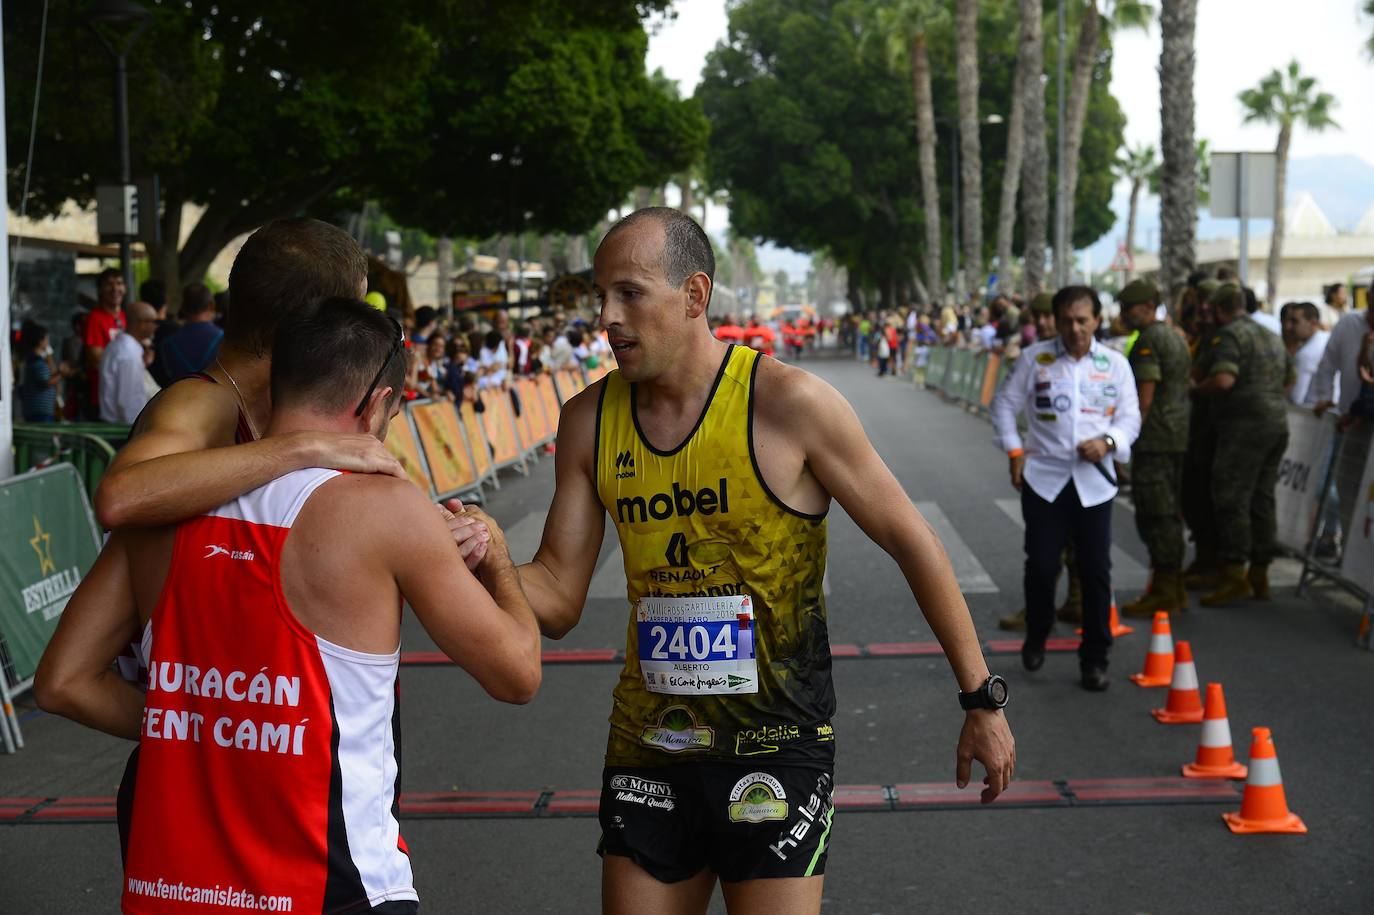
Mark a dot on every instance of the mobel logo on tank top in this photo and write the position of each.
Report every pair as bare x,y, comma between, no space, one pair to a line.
681,502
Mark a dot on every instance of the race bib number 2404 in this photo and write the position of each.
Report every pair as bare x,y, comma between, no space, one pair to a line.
697,646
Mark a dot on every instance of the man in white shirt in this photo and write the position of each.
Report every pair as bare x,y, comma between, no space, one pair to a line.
1306,342
1340,358
125,385
1337,384
1081,412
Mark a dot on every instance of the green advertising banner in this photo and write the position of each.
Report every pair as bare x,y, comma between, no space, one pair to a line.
48,541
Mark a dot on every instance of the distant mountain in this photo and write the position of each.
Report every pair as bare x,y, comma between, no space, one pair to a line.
1343,187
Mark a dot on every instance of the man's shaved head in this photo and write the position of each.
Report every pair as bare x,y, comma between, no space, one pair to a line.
686,249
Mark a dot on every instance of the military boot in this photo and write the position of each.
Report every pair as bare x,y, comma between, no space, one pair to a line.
1259,581
1201,575
1071,611
1234,586
1133,608
1166,593
1016,622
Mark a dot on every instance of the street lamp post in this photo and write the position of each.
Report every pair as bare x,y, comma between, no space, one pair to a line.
121,13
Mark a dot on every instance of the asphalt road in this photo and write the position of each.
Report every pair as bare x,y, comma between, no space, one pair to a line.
1289,665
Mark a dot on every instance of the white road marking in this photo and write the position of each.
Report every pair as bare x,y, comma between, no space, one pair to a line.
1127,572
973,578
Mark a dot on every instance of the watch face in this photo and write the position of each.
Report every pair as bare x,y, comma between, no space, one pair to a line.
997,691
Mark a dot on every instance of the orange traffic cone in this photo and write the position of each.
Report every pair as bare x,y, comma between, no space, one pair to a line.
1114,624
1215,758
1185,703
1159,662
1263,807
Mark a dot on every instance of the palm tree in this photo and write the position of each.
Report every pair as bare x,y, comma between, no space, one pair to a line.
1121,14
1139,167
1035,182
1290,100
1011,182
903,27
970,146
1368,10
1178,170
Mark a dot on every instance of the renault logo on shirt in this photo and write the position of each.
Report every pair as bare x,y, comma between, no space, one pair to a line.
624,465
679,501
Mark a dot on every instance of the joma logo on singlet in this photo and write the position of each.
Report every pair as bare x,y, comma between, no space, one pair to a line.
680,502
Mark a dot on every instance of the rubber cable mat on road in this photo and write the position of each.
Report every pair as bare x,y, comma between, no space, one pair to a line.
490,805
841,651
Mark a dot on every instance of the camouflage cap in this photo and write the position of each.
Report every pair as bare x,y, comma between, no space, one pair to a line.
1222,293
1138,291
1042,303
1206,288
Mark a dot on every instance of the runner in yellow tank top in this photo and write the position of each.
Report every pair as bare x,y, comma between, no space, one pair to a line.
699,528
717,765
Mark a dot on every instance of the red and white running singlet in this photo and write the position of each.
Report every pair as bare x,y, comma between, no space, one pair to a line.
269,758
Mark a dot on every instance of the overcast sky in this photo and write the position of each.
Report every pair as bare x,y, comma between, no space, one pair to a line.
1238,42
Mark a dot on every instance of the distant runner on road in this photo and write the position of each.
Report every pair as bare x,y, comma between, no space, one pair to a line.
269,746
717,466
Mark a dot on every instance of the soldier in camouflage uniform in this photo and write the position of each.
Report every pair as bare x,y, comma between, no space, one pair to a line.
1247,373
1159,358
1199,321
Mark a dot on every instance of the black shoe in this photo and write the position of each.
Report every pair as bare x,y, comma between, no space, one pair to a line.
1032,658
1095,679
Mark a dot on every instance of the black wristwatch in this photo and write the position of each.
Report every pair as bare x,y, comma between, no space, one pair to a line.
992,694
1111,442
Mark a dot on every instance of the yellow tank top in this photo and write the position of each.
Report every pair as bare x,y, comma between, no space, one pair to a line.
727,653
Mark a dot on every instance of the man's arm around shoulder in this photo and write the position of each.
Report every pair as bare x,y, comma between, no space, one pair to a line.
181,461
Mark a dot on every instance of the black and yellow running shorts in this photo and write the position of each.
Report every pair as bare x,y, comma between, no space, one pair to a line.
744,822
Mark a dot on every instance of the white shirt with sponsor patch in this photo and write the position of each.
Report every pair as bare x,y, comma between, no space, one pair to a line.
1068,401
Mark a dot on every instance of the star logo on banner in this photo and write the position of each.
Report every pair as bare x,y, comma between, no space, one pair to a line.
40,544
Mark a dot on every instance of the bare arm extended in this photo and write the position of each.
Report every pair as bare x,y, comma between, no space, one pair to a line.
181,461
486,627
558,577
844,462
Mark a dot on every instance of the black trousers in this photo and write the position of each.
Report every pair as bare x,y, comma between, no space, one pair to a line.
1049,527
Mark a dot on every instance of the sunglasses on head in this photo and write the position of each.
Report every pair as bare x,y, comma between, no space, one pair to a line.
391,354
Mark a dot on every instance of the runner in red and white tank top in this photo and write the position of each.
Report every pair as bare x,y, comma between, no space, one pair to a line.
269,763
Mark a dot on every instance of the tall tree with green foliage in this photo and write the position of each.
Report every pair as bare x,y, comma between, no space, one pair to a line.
1093,31
1289,99
811,137
1035,182
1178,153
904,27
970,143
461,117
1011,182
